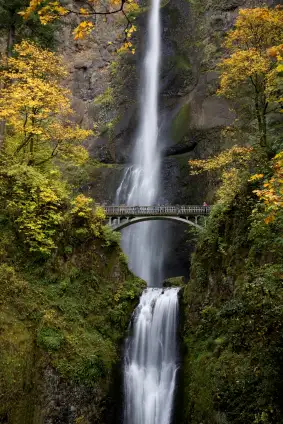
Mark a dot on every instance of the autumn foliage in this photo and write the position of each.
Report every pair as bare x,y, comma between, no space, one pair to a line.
271,194
49,11
251,69
251,73
36,107
232,166
41,139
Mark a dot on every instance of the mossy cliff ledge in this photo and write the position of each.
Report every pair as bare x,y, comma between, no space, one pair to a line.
233,320
62,324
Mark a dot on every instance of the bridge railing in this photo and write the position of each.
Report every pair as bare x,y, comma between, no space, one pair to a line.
156,210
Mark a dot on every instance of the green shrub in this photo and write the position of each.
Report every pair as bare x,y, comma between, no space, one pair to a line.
49,338
110,237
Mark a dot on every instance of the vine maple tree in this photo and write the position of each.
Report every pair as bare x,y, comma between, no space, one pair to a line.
249,69
271,194
50,10
232,164
37,108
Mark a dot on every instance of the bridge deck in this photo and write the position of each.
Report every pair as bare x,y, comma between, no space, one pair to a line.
112,211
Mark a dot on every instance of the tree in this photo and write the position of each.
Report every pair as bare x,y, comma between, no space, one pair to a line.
232,165
50,11
271,194
248,72
15,28
39,208
37,108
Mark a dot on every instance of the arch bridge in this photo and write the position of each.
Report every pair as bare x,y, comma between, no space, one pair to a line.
120,217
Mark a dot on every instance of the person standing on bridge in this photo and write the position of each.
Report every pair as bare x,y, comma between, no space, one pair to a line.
204,204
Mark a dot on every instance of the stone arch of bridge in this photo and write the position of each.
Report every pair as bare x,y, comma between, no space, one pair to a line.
131,221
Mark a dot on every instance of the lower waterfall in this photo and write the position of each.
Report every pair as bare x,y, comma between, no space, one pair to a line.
151,359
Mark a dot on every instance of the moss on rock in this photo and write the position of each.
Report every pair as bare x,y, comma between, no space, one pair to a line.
181,123
233,335
174,282
70,314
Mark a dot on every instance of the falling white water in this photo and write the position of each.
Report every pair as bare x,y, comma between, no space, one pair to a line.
141,181
150,361
151,353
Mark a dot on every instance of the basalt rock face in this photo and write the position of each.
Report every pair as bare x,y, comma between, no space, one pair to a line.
105,88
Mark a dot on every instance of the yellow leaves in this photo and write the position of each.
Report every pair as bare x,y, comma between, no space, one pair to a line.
33,5
86,217
258,28
78,155
233,165
49,10
47,13
272,52
274,78
48,195
83,29
239,155
256,177
239,68
269,219
82,205
231,185
255,61
34,202
84,11
131,30
46,62
132,7
36,107
128,45
272,192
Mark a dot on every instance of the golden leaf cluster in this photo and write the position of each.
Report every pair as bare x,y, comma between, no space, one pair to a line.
82,30
48,11
253,44
260,28
235,155
272,192
34,104
233,167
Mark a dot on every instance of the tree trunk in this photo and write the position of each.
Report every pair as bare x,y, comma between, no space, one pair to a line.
11,40
10,43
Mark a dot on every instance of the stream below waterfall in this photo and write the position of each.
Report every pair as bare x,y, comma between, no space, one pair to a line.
150,362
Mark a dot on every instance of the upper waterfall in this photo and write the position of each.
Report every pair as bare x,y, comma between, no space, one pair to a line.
141,182
146,154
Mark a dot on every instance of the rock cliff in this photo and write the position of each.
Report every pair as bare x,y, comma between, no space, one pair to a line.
105,88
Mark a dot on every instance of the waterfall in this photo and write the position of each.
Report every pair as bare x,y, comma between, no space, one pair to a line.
150,363
150,369
141,181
